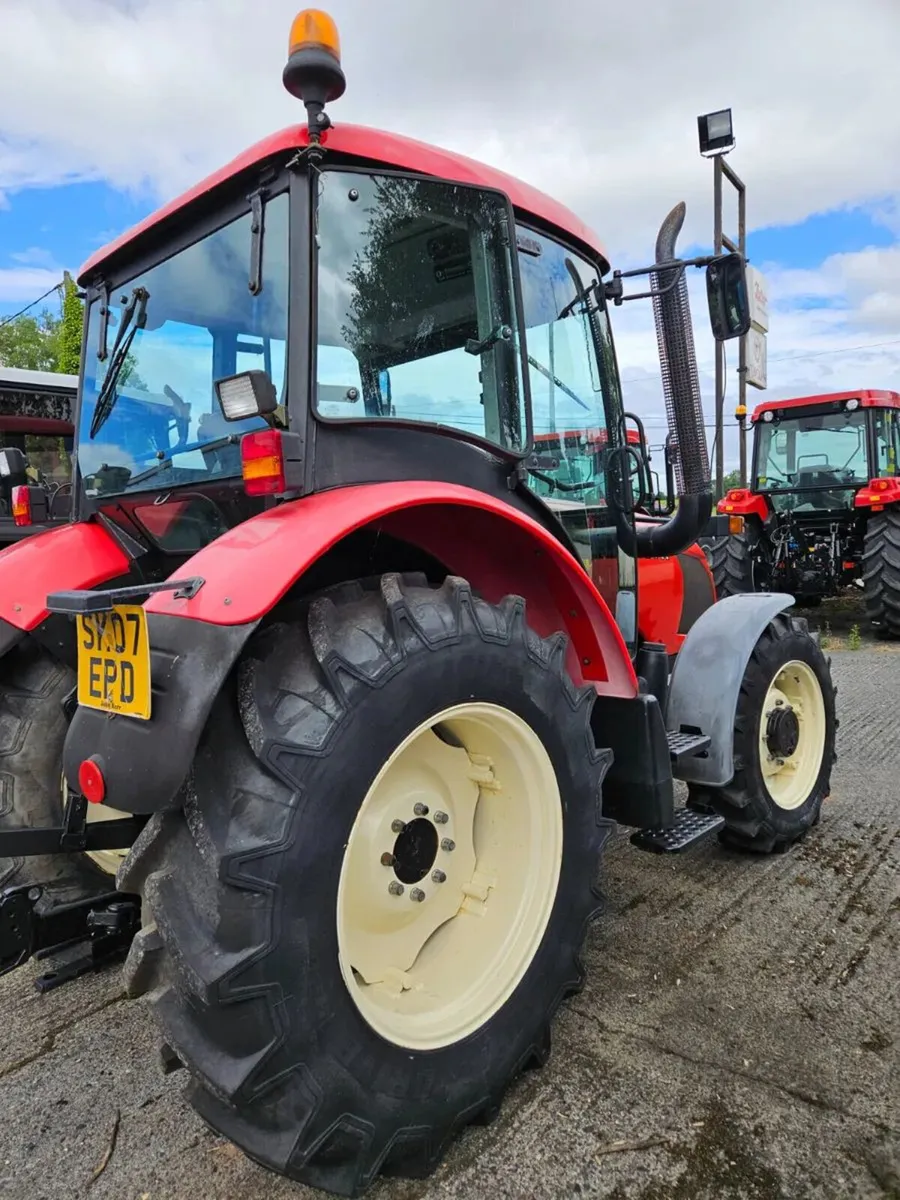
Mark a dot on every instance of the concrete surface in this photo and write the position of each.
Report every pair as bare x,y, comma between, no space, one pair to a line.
740,1030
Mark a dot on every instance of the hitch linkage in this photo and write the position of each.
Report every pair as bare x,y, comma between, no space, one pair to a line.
107,924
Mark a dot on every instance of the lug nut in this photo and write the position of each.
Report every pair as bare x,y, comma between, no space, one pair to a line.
448,844
387,859
438,876
398,826
421,810
417,894
395,888
441,818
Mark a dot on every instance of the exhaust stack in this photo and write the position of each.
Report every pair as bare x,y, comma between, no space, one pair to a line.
678,361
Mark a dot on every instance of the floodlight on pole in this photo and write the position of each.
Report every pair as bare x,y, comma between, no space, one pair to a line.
716,133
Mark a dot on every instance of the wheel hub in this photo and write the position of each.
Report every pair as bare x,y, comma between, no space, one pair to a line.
415,850
782,731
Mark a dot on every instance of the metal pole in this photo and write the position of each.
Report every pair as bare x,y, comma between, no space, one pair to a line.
551,400
742,366
720,349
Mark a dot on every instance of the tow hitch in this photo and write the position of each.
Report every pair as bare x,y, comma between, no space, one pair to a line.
104,925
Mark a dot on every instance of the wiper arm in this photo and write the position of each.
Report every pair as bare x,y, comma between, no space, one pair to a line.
216,444
134,317
557,382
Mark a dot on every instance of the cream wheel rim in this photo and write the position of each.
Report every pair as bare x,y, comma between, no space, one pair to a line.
449,876
792,734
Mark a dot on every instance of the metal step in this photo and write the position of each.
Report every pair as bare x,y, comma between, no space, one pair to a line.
686,745
689,827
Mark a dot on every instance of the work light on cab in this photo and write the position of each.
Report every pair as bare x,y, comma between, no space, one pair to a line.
249,394
313,70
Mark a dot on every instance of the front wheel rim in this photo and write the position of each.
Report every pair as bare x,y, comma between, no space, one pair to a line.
449,876
792,732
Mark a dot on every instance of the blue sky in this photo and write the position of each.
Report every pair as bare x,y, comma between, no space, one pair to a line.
55,227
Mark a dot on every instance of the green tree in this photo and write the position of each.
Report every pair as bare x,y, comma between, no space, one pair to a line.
731,480
70,328
31,343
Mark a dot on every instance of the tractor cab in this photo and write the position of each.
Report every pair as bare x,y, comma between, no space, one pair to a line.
821,505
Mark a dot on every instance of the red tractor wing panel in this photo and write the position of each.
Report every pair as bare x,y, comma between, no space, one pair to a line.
499,549
741,502
878,493
65,559
387,149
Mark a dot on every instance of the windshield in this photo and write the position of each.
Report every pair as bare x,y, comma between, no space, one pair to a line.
202,323
823,456
416,313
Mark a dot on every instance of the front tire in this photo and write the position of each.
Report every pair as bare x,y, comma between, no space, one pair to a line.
784,743
326,1034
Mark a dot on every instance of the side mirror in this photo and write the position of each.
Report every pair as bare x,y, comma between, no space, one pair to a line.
728,298
13,465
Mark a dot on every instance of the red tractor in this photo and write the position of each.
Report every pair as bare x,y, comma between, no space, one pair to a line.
36,439
319,658
823,507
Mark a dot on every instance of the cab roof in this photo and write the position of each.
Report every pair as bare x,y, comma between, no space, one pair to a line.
868,398
20,379
372,145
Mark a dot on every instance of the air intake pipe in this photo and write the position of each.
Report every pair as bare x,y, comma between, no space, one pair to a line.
684,409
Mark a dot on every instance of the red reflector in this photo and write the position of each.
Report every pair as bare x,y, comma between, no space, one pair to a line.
91,781
262,463
21,505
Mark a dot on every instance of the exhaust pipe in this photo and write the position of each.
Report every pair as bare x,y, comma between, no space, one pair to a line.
684,409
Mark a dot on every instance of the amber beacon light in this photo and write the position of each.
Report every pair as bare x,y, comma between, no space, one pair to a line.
313,70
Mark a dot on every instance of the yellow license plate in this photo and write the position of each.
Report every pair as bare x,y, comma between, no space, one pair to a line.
114,661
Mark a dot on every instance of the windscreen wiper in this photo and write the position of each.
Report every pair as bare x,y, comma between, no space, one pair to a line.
134,317
229,439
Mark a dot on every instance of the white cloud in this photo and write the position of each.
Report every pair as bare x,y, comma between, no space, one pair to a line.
25,283
595,103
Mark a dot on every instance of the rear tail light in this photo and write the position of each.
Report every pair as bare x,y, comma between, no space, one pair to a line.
21,505
735,524
270,462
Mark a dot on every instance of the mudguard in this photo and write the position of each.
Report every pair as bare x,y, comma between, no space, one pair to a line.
195,641
706,679
79,555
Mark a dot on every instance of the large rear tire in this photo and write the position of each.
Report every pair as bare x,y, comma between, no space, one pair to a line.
33,687
881,572
374,900
731,564
784,743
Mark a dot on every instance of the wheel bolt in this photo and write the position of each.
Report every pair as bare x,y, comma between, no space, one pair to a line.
441,818
438,876
448,844
417,894
421,810
387,859
395,888
398,826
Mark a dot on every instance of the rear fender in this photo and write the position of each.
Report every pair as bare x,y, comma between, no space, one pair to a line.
707,677
741,502
248,570
76,556
878,494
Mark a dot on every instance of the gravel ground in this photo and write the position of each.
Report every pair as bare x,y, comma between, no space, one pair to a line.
738,1037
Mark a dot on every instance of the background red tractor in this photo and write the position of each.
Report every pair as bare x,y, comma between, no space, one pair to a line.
36,438
339,680
823,507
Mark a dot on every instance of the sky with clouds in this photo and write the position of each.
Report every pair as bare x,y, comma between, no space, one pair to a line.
108,107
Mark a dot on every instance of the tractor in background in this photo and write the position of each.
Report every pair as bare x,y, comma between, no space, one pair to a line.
329,678
823,508
37,432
